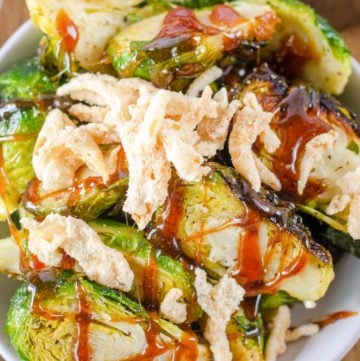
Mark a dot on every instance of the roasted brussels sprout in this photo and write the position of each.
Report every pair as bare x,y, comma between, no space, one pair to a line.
107,325
19,125
26,80
221,223
77,33
318,158
175,47
307,47
88,200
155,273
301,43
25,93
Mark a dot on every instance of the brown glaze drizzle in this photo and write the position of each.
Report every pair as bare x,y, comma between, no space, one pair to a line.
296,123
165,234
35,264
67,30
38,308
333,317
184,349
251,266
224,15
83,318
294,53
150,284
67,262
183,21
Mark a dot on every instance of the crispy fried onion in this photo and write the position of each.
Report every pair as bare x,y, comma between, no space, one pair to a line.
315,151
349,185
62,148
156,128
250,123
276,344
171,308
219,302
57,234
281,333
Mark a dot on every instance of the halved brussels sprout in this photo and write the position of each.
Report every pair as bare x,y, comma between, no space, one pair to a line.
71,40
221,223
303,44
19,126
175,47
26,80
308,47
88,200
77,32
155,273
72,318
25,94
302,115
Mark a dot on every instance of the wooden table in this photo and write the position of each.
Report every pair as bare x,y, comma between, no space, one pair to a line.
347,18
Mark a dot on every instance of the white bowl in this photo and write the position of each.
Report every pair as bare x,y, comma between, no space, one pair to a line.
331,344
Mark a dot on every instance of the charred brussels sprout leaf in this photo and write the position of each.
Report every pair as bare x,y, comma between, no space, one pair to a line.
109,325
27,80
334,240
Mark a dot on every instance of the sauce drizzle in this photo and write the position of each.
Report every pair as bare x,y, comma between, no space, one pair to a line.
182,21
83,318
333,317
67,30
224,15
296,122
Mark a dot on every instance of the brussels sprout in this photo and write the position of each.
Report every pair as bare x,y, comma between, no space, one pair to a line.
155,273
221,222
82,202
19,126
175,47
72,318
76,33
25,93
308,47
26,80
301,114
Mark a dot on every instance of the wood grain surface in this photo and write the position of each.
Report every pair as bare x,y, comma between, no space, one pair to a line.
345,15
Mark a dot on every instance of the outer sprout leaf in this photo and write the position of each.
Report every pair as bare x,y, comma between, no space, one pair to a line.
26,80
